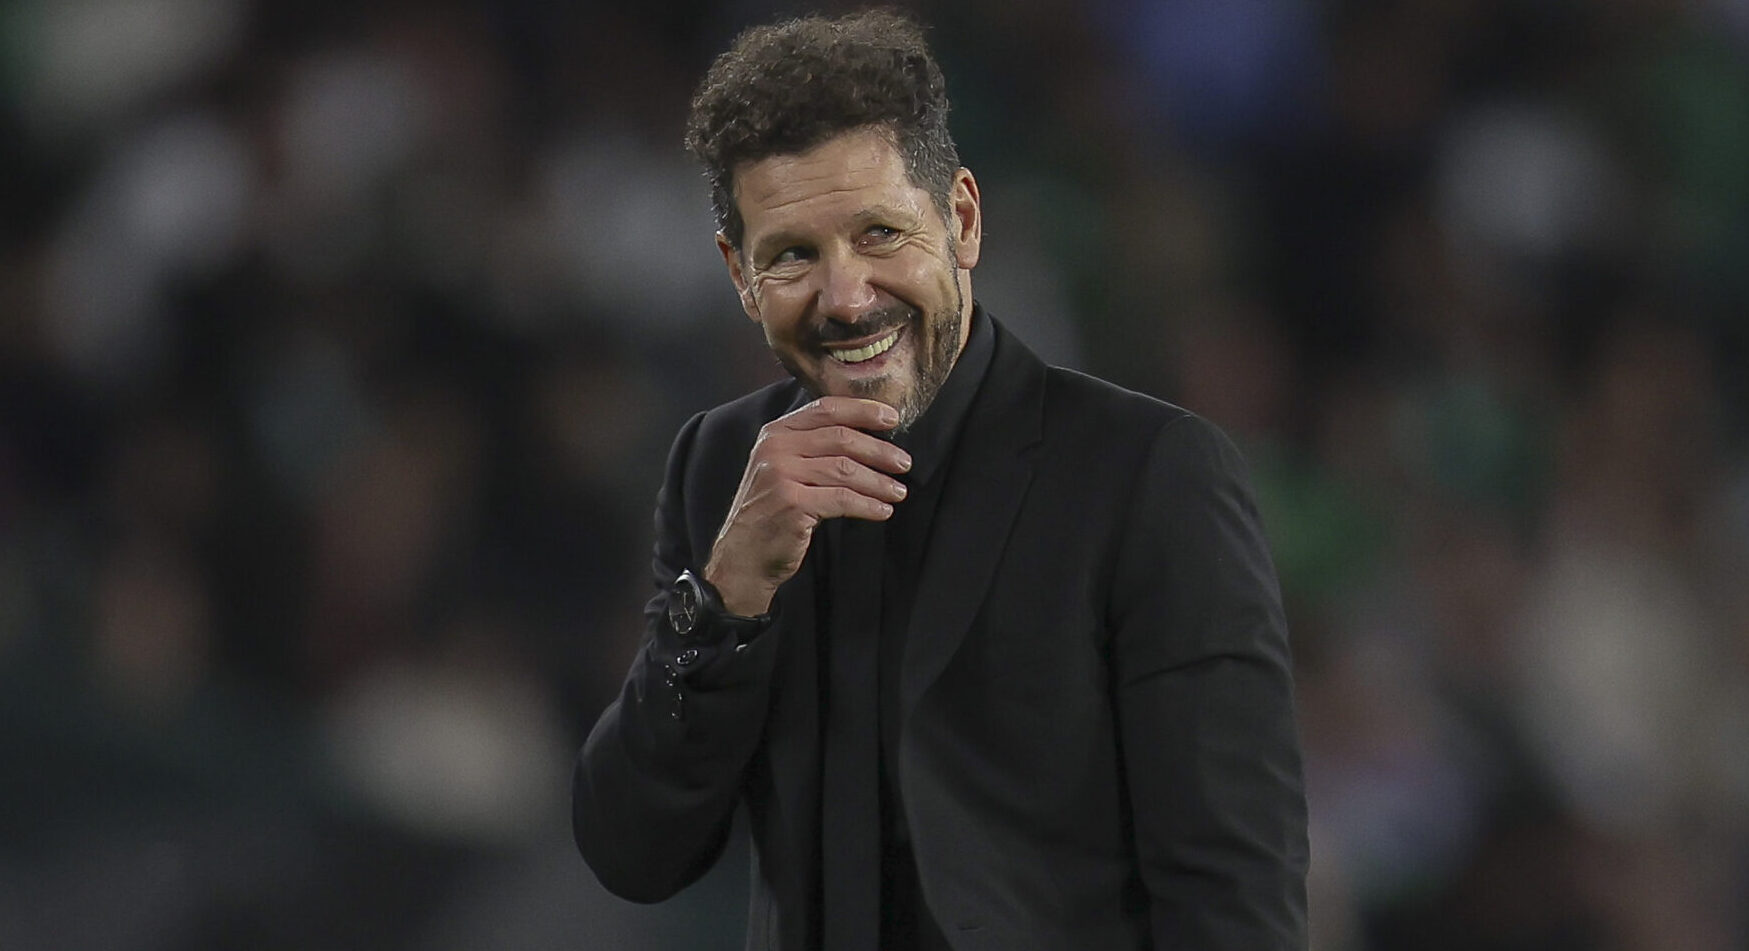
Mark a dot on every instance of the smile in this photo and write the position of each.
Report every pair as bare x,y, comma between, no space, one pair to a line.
869,352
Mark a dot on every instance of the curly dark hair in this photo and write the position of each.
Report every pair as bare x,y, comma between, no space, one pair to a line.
784,88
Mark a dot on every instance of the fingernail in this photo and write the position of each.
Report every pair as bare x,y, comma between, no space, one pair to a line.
903,489
890,416
905,463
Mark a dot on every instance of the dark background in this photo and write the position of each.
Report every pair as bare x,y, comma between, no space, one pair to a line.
341,345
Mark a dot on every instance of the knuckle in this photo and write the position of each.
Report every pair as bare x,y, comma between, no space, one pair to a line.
785,494
762,446
765,473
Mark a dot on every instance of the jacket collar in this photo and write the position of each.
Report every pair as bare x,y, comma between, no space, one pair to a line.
931,439
991,472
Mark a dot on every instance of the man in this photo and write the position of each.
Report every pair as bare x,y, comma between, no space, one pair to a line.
992,652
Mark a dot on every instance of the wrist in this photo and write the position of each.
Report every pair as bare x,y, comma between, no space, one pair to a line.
698,615
740,597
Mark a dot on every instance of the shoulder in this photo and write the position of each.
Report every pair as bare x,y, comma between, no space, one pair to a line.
741,418
1072,405
1073,396
1134,448
731,428
717,440
706,460
1101,420
1091,424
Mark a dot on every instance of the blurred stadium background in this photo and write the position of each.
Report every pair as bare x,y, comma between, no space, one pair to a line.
341,344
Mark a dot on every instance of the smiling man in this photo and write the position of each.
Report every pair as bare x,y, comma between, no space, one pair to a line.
992,652
860,282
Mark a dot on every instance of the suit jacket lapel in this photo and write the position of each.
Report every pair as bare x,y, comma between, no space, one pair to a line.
986,483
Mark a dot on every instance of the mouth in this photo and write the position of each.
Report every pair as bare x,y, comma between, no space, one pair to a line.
867,351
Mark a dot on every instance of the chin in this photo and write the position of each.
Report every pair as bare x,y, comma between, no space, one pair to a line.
900,394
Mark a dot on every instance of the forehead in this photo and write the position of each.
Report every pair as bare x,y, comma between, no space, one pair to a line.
841,176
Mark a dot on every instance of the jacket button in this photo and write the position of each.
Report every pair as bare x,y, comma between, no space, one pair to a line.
686,656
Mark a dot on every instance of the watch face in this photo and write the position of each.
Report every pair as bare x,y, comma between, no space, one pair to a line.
683,606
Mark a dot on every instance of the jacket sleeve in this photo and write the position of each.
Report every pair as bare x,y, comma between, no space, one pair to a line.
1204,703
657,781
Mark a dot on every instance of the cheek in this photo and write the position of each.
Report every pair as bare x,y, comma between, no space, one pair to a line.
917,279
935,286
780,315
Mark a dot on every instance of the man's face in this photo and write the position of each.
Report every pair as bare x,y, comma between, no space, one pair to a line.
859,283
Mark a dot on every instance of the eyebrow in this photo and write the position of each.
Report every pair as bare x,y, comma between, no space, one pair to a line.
892,213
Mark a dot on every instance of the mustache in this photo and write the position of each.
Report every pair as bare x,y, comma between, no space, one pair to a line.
870,324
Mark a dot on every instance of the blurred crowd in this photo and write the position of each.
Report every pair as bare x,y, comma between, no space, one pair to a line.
341,345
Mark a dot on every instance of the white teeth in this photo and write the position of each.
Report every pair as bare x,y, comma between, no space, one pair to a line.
866,353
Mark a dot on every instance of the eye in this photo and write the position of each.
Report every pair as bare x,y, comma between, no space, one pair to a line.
877,235
789,255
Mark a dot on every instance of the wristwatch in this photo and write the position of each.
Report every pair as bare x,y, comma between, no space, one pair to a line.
697,614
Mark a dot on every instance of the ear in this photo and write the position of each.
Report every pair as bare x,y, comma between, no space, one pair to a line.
732,258
968,218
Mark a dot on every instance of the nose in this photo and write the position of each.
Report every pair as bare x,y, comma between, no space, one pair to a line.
846,289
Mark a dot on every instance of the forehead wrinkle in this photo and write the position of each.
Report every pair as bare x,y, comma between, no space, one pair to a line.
867,156
799,199
879,206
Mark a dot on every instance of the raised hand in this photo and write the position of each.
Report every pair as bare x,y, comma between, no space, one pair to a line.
818,462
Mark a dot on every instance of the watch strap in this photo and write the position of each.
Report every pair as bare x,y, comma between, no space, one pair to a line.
713,623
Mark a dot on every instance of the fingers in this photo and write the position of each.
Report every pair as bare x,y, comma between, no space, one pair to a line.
821,461
839,501
842,411
846,472
838,426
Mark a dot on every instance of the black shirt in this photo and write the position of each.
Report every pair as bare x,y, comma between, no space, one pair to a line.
905,923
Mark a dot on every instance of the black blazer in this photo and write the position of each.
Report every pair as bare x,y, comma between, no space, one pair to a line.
1097,749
